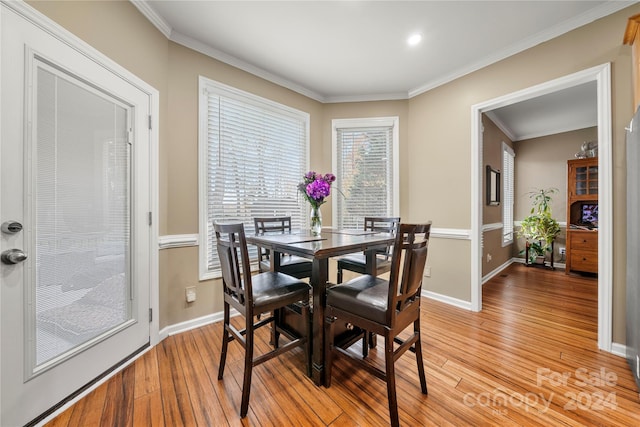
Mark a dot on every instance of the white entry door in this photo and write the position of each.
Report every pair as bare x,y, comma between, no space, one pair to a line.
74,208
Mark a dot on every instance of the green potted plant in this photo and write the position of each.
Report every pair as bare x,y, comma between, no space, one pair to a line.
539,229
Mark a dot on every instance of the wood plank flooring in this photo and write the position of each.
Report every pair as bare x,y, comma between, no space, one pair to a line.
530,358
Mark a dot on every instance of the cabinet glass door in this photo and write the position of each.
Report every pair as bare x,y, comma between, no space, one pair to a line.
586,180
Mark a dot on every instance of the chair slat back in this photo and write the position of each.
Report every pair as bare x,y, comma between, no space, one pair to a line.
407,266
382,225
234,262
270,225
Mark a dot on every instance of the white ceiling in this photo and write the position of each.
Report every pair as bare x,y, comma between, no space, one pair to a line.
341,51
562,111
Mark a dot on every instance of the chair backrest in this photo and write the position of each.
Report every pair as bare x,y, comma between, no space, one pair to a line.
234,262
382,225
407,268
270,225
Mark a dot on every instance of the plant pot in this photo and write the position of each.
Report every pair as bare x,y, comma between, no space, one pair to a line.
539,259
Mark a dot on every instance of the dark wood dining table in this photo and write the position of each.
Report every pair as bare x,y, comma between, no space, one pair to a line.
330,243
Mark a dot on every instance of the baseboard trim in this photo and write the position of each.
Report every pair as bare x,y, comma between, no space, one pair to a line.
496,271
619,349
188,325
447,299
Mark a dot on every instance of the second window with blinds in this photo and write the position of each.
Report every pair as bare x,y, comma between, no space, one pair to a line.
365,159
508,156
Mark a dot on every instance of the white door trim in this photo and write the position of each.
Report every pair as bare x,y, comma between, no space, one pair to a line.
601,74
57,31
150,172
41,21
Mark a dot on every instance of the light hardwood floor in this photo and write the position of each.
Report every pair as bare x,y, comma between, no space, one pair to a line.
529,358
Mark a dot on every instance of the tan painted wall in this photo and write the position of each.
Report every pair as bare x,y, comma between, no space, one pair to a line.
542,163
179,266
494,254
119,31
435,136
439,134
492,139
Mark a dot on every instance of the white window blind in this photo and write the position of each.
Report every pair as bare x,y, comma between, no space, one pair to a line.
255,154
82,209
365,158
508,185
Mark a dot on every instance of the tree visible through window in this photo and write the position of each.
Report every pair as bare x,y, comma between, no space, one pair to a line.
365,155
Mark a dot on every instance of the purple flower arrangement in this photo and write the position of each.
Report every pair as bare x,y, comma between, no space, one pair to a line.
316,187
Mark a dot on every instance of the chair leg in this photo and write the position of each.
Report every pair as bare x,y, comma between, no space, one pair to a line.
365,344
275,335
248,367
339,278
306,319
328,349
225,341
391,381
418,347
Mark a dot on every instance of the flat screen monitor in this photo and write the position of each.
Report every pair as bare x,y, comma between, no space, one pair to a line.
589,214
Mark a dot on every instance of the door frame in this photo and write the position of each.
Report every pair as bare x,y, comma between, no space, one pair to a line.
43,22
601,74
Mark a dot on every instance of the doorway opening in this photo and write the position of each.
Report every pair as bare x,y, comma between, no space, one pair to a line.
601,75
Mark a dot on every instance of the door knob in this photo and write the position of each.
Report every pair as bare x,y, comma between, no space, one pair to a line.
13,256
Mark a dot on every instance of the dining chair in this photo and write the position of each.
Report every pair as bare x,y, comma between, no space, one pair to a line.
268,292
289,264
384,307
357,262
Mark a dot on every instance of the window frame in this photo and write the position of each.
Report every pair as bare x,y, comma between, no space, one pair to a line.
351,123
508,184
206,86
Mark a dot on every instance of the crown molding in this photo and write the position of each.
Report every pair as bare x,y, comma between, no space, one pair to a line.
395,96
242,65
503,127
601,11
153,17
144,6
556,131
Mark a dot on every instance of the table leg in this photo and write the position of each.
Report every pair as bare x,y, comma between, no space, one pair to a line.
274,263
319,277
370,268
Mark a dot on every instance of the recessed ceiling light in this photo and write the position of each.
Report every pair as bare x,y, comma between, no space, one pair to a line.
414,39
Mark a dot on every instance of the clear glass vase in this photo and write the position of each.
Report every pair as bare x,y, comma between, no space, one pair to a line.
315,220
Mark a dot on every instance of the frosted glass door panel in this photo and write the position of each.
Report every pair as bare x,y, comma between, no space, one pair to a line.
82,206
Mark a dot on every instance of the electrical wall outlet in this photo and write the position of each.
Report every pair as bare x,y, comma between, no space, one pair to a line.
427,271
489,257
563,251
190,293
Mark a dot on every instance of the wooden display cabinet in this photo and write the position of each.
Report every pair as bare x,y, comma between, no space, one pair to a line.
582,216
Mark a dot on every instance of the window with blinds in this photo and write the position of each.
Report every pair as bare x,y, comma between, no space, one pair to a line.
365,155
507,184
253,155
